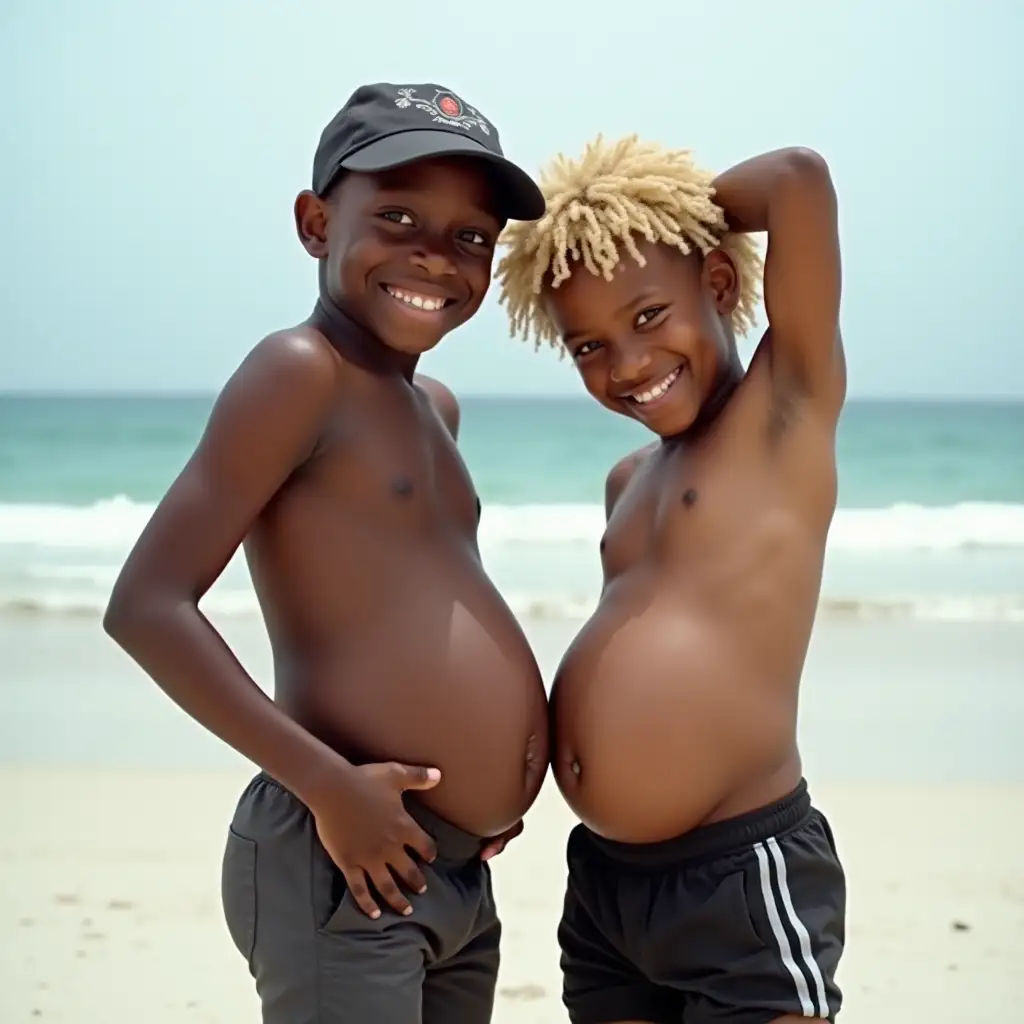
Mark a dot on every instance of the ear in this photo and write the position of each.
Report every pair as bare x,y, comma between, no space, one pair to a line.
311,217
720,278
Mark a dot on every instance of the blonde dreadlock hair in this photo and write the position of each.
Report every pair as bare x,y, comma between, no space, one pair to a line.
604,200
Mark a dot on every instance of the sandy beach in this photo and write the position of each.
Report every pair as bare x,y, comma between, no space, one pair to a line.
115,808
109,901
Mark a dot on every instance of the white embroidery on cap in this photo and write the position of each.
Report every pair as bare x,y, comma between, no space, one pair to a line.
444,108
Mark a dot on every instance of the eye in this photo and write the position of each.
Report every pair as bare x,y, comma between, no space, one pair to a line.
473,237
397,217
644,317
586,349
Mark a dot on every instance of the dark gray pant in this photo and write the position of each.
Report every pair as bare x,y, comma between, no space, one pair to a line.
317,959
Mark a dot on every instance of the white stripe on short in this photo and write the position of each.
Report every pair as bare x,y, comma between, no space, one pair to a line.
771,848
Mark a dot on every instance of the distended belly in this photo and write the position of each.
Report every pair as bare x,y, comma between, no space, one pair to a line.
441,684
658,720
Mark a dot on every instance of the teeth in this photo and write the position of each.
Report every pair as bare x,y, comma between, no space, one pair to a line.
658,390
418,301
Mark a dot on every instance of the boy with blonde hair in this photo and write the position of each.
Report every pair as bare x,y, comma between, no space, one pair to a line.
702,886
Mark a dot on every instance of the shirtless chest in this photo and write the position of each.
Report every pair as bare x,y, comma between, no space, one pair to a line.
390,641
682,686
721,532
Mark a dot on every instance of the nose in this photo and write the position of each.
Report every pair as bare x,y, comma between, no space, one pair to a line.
629,363
435,261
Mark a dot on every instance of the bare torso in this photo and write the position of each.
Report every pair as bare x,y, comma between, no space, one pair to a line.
676,705
389,640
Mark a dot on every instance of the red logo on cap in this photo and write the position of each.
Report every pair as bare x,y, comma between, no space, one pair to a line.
449,106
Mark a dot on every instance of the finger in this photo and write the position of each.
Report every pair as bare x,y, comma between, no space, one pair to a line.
405,867
417,777
418,840
356,882
385,884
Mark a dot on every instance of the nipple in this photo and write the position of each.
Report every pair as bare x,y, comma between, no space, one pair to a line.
402,486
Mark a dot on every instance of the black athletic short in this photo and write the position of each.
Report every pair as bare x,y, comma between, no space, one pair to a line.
318,959
740,921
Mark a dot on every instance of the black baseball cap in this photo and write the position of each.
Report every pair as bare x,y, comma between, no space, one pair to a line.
384,126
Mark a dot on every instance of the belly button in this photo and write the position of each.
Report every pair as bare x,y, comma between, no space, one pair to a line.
531,764
575,768
531,748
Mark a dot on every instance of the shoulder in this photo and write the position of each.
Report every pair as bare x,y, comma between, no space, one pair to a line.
300,353
443,400
283,387
621,473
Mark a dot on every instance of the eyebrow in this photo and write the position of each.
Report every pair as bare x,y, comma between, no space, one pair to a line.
638,300
644,296
410,188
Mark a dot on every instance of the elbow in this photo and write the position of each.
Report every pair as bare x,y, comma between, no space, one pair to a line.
117,619
129,614
807,166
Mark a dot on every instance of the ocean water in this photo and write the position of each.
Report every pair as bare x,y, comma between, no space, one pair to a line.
930,524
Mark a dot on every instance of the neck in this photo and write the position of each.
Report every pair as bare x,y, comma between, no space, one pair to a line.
727,381
357,343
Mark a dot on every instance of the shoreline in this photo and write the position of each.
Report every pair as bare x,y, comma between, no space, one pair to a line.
894,701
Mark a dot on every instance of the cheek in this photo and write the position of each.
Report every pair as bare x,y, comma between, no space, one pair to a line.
595,380
477,273
687,336
352,259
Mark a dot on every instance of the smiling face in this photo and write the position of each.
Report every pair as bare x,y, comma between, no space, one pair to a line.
407,252
654,343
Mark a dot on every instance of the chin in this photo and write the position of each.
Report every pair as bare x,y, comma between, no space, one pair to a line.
673,429
400,341
414,335
671,422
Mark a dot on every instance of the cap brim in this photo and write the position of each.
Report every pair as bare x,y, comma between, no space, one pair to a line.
522,197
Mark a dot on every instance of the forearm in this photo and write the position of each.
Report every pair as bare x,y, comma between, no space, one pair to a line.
174,643
748,192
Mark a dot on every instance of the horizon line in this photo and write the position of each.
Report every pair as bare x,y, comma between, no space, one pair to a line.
171,395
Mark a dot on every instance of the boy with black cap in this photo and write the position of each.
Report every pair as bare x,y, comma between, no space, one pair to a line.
407,736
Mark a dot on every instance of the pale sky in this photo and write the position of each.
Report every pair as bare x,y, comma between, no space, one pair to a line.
152,152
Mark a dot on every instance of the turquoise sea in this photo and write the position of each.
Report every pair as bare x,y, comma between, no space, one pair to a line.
930,525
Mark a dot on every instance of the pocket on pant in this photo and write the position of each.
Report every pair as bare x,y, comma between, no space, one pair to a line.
238,892
341,905
331,897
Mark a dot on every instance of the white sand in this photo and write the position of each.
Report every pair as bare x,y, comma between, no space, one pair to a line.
109,901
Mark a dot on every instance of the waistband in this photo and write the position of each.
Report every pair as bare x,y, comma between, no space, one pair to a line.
453,843
720,838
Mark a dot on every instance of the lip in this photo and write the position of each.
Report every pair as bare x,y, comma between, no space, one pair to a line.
428,289
643,407
429,294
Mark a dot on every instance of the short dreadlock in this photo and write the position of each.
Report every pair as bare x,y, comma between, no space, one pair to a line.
605,200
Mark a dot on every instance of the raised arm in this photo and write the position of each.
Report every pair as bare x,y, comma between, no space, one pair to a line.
264,424
789,194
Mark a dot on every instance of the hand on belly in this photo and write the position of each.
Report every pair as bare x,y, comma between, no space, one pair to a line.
365,829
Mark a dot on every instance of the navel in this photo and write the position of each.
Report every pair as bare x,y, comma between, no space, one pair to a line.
532,764
689,496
